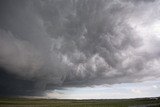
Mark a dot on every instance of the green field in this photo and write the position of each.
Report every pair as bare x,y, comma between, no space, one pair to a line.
24,102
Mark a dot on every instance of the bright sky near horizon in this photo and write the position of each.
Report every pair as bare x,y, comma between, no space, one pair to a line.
117,91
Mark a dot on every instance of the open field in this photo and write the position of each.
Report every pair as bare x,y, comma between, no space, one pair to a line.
23,102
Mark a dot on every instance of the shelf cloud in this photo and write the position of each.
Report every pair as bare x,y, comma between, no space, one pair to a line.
52,44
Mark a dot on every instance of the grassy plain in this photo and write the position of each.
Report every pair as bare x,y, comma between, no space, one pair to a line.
25,102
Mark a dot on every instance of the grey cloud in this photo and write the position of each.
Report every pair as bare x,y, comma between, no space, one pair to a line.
73,43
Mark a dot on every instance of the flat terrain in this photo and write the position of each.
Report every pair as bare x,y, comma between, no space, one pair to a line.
24,102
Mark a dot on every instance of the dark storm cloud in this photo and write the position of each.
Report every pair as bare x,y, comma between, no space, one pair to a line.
47,44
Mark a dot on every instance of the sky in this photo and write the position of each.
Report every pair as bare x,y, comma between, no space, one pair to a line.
117,91
80,49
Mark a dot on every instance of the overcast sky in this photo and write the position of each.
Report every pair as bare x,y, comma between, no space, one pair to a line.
64,48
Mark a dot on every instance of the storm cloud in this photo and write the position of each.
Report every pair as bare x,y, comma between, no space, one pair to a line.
52,44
